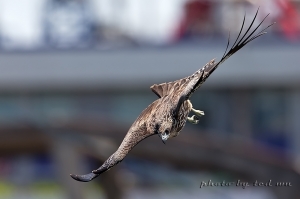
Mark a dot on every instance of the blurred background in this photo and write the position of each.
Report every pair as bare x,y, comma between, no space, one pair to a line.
75,74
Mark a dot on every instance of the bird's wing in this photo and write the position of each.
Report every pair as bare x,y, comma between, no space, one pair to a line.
137,132
186,86
132,138
194,81
202,74
84,178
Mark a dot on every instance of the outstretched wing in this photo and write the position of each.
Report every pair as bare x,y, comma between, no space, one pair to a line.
137,132
201,75
188,85
84,178
198,78
132,138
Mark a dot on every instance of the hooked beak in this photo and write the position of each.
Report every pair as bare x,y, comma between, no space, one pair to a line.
164,137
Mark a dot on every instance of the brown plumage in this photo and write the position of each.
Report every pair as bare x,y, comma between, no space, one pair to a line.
167,115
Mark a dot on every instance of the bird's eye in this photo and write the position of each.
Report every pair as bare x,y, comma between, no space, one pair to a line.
167,132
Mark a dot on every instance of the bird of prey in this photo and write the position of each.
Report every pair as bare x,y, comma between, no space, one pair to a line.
168,114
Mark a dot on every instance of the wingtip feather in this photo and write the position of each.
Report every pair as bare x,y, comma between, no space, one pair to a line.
84,178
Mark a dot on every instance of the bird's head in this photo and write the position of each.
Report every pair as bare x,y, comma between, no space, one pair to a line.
165,129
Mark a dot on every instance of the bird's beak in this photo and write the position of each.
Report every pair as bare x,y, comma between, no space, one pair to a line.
159,135
164,137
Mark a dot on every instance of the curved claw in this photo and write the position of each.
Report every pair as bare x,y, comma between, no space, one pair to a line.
84,178
194,119
198,112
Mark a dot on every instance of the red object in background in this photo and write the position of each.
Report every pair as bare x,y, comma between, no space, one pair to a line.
288,19
196,15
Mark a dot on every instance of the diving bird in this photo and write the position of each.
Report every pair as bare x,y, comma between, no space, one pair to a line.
167,115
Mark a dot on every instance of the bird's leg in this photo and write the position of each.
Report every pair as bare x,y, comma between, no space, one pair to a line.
198,112
193,119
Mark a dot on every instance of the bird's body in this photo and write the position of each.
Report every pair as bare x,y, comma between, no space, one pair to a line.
167,115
